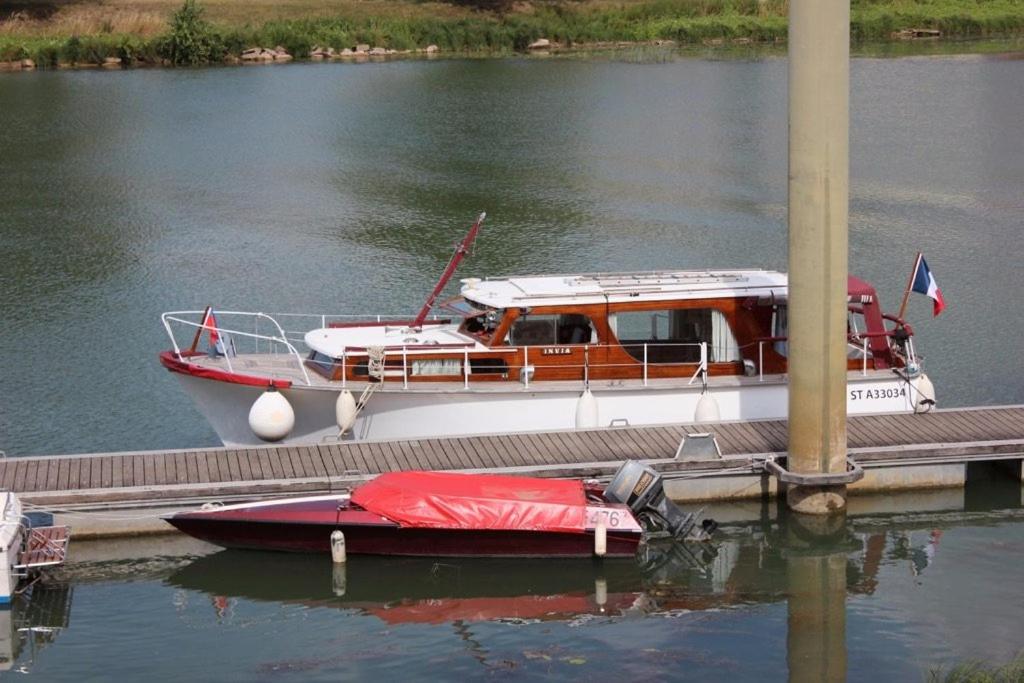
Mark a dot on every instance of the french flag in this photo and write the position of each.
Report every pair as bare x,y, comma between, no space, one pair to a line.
924,283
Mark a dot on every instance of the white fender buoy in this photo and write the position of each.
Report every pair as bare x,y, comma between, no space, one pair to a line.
586,410
271,417
338,554
707,409
923,394
339,579
601,592
600,540
345,411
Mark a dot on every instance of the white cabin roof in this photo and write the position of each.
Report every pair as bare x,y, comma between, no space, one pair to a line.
593,288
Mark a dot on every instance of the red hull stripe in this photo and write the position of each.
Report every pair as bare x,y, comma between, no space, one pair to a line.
169,361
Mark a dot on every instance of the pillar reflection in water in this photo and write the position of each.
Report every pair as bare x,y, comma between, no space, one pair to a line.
816,554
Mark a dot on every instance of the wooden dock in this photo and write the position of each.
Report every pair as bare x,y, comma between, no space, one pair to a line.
940,438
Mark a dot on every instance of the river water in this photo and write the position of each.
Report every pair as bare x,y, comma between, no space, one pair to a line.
341,188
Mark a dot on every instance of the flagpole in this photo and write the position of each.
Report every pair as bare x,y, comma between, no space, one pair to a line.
199,331
910,283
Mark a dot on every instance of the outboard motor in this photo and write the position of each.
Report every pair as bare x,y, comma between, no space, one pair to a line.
640,488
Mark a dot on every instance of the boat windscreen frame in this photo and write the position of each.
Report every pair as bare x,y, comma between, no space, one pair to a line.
469,309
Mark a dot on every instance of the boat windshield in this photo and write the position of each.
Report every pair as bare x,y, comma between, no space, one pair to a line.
462,308
478,321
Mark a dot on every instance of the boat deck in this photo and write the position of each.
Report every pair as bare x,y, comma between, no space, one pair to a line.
943,436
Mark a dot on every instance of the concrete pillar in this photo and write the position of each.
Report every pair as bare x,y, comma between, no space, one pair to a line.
816,625
819,84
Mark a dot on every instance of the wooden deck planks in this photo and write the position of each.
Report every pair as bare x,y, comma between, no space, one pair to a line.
107,471
593,447
509,455
352,452
968,425
373,460
353,458
485,452
331,454
745,441
9,466
384,455
62,475
777,434
316,458
410,458
654,447
301,461
1004,425
460,452
19,476
621,447
32,475
664,439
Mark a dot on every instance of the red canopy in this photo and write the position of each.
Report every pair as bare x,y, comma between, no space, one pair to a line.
858,289
442,500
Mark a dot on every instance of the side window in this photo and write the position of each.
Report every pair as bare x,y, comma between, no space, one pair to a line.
855,326
675,336
533,330
780,328
322,363
440,366
552,330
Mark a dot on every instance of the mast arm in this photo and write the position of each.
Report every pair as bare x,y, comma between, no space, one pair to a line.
460,252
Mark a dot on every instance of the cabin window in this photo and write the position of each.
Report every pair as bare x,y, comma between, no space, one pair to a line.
436,367
322,363
552,330
488,366
675,336
780,328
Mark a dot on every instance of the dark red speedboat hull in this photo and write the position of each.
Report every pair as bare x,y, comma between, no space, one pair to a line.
305,525
394,540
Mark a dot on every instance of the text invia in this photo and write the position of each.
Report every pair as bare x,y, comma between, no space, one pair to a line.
555,351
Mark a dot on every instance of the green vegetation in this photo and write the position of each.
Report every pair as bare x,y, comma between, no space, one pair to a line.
191,41
978,672
137,34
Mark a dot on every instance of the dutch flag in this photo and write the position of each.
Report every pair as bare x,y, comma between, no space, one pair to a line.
924,283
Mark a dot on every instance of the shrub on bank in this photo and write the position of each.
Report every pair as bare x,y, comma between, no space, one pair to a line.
191,41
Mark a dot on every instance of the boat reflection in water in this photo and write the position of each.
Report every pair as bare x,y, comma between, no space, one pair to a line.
745,566
812,593
422,590
664,578
33,621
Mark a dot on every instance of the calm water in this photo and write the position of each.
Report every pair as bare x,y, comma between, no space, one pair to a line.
342,188
888,597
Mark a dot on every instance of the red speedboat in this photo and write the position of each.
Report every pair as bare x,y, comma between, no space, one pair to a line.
458,515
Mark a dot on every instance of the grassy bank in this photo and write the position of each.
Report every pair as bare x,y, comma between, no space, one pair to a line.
155,30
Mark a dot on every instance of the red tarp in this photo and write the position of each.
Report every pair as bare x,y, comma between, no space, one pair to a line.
443,500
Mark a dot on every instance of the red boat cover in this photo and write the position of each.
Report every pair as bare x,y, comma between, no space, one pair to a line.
442,500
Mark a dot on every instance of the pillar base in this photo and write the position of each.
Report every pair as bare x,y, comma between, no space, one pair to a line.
816,500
